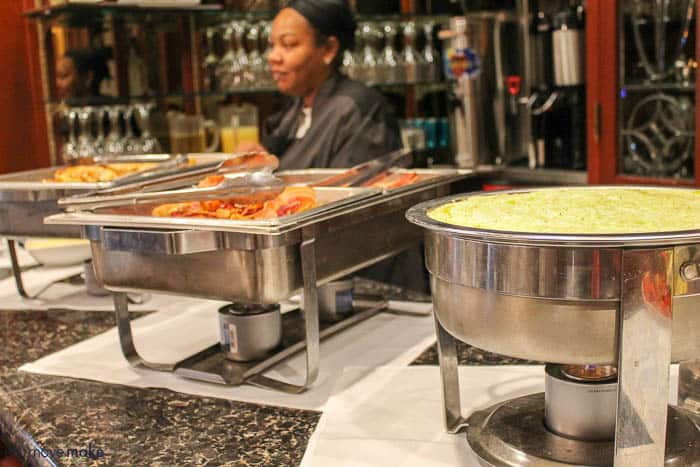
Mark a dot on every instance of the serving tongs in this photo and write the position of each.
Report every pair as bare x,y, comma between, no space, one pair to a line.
362,173
180,174
163,160
238,188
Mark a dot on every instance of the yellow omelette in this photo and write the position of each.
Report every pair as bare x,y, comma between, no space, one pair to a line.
577,211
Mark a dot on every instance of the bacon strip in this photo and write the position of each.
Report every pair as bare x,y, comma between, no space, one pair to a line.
292,200
390,180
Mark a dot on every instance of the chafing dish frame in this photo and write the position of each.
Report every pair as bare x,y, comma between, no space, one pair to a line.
494,290
297,236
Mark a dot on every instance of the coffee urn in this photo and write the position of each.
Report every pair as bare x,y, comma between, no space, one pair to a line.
483,65
558,101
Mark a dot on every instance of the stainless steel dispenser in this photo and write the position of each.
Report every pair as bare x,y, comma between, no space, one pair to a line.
484,65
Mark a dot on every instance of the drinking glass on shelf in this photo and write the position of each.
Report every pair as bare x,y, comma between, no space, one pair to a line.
348,64
210,62
147,143
131,146
410,58
357,54
239,30
388,61
431,59
227,68
368,63
85,141
256,65
266,80
69,151
114,143
100,142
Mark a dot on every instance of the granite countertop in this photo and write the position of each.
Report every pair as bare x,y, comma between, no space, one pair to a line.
131,426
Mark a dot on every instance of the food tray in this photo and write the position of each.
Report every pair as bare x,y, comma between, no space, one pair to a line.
25,199
254,261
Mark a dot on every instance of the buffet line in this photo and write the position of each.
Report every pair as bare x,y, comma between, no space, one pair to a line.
228,227
601,283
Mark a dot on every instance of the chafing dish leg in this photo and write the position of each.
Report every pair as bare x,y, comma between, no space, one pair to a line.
449,370
644,356
126,339
16,271
307,250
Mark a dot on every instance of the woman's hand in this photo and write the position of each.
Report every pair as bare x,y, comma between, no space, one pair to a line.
249,146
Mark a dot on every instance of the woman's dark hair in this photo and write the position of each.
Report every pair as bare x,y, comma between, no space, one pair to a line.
91,60
329,18
322,39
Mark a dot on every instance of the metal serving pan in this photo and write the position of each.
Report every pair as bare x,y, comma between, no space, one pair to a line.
553,297
25,199
253,261
425,176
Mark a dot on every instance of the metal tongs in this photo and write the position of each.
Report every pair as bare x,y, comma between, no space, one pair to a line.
362,173
239,188
178,174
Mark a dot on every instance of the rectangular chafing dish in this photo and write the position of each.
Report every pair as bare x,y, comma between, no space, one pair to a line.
262,261
255,261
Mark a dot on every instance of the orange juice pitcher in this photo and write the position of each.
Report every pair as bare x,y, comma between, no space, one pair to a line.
239,124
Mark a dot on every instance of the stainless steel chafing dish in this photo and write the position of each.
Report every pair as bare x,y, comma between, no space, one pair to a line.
259,262
26,198
569,299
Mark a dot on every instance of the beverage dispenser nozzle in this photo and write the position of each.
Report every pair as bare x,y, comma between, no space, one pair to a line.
513,86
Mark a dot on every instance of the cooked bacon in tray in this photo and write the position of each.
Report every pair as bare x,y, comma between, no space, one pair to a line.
389,180
292,200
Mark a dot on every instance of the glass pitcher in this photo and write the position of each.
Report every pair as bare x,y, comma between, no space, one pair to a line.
188,133
238,124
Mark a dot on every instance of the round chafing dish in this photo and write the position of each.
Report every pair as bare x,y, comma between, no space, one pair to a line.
548,297
587,301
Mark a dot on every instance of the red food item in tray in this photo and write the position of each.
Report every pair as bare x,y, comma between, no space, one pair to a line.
292,200
389,180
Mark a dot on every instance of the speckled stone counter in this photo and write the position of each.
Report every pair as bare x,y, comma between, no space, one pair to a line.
132,426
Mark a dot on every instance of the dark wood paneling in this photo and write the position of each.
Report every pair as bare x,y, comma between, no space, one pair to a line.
601,63
23,140
593,90
697,107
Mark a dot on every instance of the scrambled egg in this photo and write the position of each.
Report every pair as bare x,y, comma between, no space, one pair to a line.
577,211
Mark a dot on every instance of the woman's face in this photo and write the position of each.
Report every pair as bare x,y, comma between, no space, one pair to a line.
299,65
66,77
69,83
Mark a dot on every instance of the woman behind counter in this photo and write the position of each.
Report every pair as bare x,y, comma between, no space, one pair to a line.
331,120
